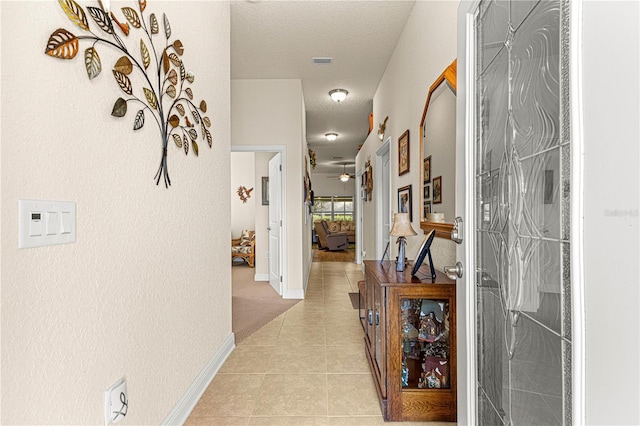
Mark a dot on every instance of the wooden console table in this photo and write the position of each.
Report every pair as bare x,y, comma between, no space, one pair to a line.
410,342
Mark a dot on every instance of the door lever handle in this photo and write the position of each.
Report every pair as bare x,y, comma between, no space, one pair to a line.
454,272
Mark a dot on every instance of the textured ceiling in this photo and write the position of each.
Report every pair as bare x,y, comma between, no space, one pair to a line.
278,39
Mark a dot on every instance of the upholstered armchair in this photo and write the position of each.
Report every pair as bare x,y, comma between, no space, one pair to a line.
244,247
328,240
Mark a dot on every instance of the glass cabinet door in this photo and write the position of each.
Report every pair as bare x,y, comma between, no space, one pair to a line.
426,348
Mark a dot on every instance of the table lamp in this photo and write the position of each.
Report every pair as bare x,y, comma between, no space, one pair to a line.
401,229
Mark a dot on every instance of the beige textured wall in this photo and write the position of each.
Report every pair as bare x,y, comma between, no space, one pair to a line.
270,112
145,291
243,215
611,233
426,47
329,184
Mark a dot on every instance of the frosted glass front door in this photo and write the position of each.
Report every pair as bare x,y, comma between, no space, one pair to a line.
522,215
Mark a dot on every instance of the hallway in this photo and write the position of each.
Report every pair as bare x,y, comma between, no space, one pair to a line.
306,367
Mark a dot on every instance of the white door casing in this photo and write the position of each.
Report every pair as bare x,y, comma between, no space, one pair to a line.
281,150
465,289
359,216
382,183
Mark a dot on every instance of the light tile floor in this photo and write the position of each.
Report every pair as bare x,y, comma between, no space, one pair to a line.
306,367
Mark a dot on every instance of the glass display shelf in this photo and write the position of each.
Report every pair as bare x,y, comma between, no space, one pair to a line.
425,344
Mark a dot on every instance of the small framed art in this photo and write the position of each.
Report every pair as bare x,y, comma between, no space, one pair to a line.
427,209
437,190
426,166
265,190
403,153
404,201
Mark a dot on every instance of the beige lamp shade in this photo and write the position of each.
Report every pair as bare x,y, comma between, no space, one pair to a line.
401,226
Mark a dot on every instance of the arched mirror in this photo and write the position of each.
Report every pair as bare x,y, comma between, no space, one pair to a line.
438,153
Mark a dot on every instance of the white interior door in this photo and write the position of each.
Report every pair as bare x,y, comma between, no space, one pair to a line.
275,222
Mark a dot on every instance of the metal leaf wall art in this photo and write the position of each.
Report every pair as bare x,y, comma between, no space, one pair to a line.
165,95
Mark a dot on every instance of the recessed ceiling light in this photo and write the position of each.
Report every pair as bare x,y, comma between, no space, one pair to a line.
331,136
338,95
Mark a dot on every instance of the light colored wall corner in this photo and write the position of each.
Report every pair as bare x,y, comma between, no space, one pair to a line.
243,214
269,112
307,220
143,293
611,233
368,152
426,47
181,411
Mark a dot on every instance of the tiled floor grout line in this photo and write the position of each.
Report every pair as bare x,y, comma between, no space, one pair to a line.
328,290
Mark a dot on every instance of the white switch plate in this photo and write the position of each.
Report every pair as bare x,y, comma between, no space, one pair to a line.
45,223
116,402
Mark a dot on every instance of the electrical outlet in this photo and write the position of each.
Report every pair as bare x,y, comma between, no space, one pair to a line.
116,402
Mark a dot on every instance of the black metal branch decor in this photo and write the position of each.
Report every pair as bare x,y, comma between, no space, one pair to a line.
165,95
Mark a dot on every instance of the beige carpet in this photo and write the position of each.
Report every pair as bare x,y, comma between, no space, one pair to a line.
254,303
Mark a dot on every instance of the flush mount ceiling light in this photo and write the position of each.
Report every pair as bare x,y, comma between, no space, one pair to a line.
338,95
331,136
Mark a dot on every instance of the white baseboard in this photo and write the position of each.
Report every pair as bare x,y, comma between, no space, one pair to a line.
261,277
306,279
296,293
179,414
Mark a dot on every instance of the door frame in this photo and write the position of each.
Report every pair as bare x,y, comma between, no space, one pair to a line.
378,183
466,289
359,218
282,150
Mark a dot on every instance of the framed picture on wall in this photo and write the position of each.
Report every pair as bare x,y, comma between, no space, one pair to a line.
404,201
369,183
437,190
364,185
265,190
427,209
426,192
426,165
403,153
